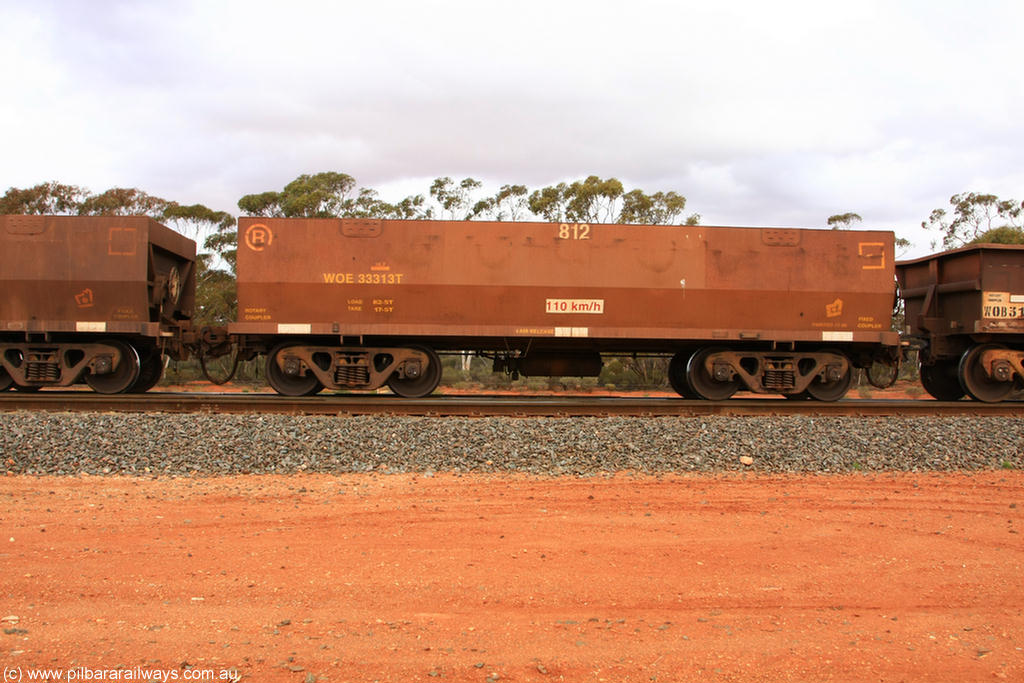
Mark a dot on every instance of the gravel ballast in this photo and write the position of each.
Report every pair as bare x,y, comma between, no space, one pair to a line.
203,444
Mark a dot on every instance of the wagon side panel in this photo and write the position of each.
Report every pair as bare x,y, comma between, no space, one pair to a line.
82,273
977,290
479,281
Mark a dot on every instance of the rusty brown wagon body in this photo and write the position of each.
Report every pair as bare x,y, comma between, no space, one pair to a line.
352,303
965,308
91,298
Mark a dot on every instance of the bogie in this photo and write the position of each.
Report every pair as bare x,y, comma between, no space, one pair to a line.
295,369
716,373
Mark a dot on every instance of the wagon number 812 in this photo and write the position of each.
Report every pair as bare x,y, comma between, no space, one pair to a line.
574,231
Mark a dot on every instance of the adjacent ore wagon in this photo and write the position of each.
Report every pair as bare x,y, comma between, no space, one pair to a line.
965,308
352,303
94,299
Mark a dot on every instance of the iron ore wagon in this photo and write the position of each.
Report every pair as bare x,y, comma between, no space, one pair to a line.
965,308
361,303
93,299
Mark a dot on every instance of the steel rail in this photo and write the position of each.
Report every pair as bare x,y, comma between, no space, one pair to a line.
484,405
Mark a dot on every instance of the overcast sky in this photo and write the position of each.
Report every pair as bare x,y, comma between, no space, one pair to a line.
760,113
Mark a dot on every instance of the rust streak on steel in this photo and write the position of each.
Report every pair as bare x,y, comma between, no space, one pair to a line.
486,406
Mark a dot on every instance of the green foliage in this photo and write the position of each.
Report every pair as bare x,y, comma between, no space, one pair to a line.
618,373
455,199
317,196
660,208
973,215
605,201
196,220
627,372
265,204
367,205
1004,235
844,221
549,203
225,245
321,195
50,198
197,213
585,201
592,200
408,209
508,204
216,294
327,195
122,201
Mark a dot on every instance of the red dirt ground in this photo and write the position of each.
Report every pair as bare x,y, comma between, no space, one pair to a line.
486,578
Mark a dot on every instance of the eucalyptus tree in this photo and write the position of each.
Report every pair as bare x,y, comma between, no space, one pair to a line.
974,215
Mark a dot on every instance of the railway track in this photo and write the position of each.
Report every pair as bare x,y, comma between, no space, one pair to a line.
484,405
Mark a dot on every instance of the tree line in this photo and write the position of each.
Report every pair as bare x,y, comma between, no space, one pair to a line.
976,218
973,217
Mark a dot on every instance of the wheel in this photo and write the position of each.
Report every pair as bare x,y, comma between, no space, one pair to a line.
123,376
151,369
976,382
942,381
825,390
703,384
289,385
6,381
677,375
423,385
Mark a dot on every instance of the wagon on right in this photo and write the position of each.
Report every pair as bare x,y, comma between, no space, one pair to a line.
965,311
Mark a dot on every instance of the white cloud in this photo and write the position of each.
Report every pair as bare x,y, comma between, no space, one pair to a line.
761,113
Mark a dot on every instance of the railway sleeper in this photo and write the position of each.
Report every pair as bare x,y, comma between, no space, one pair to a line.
61,364
824,375
296,369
